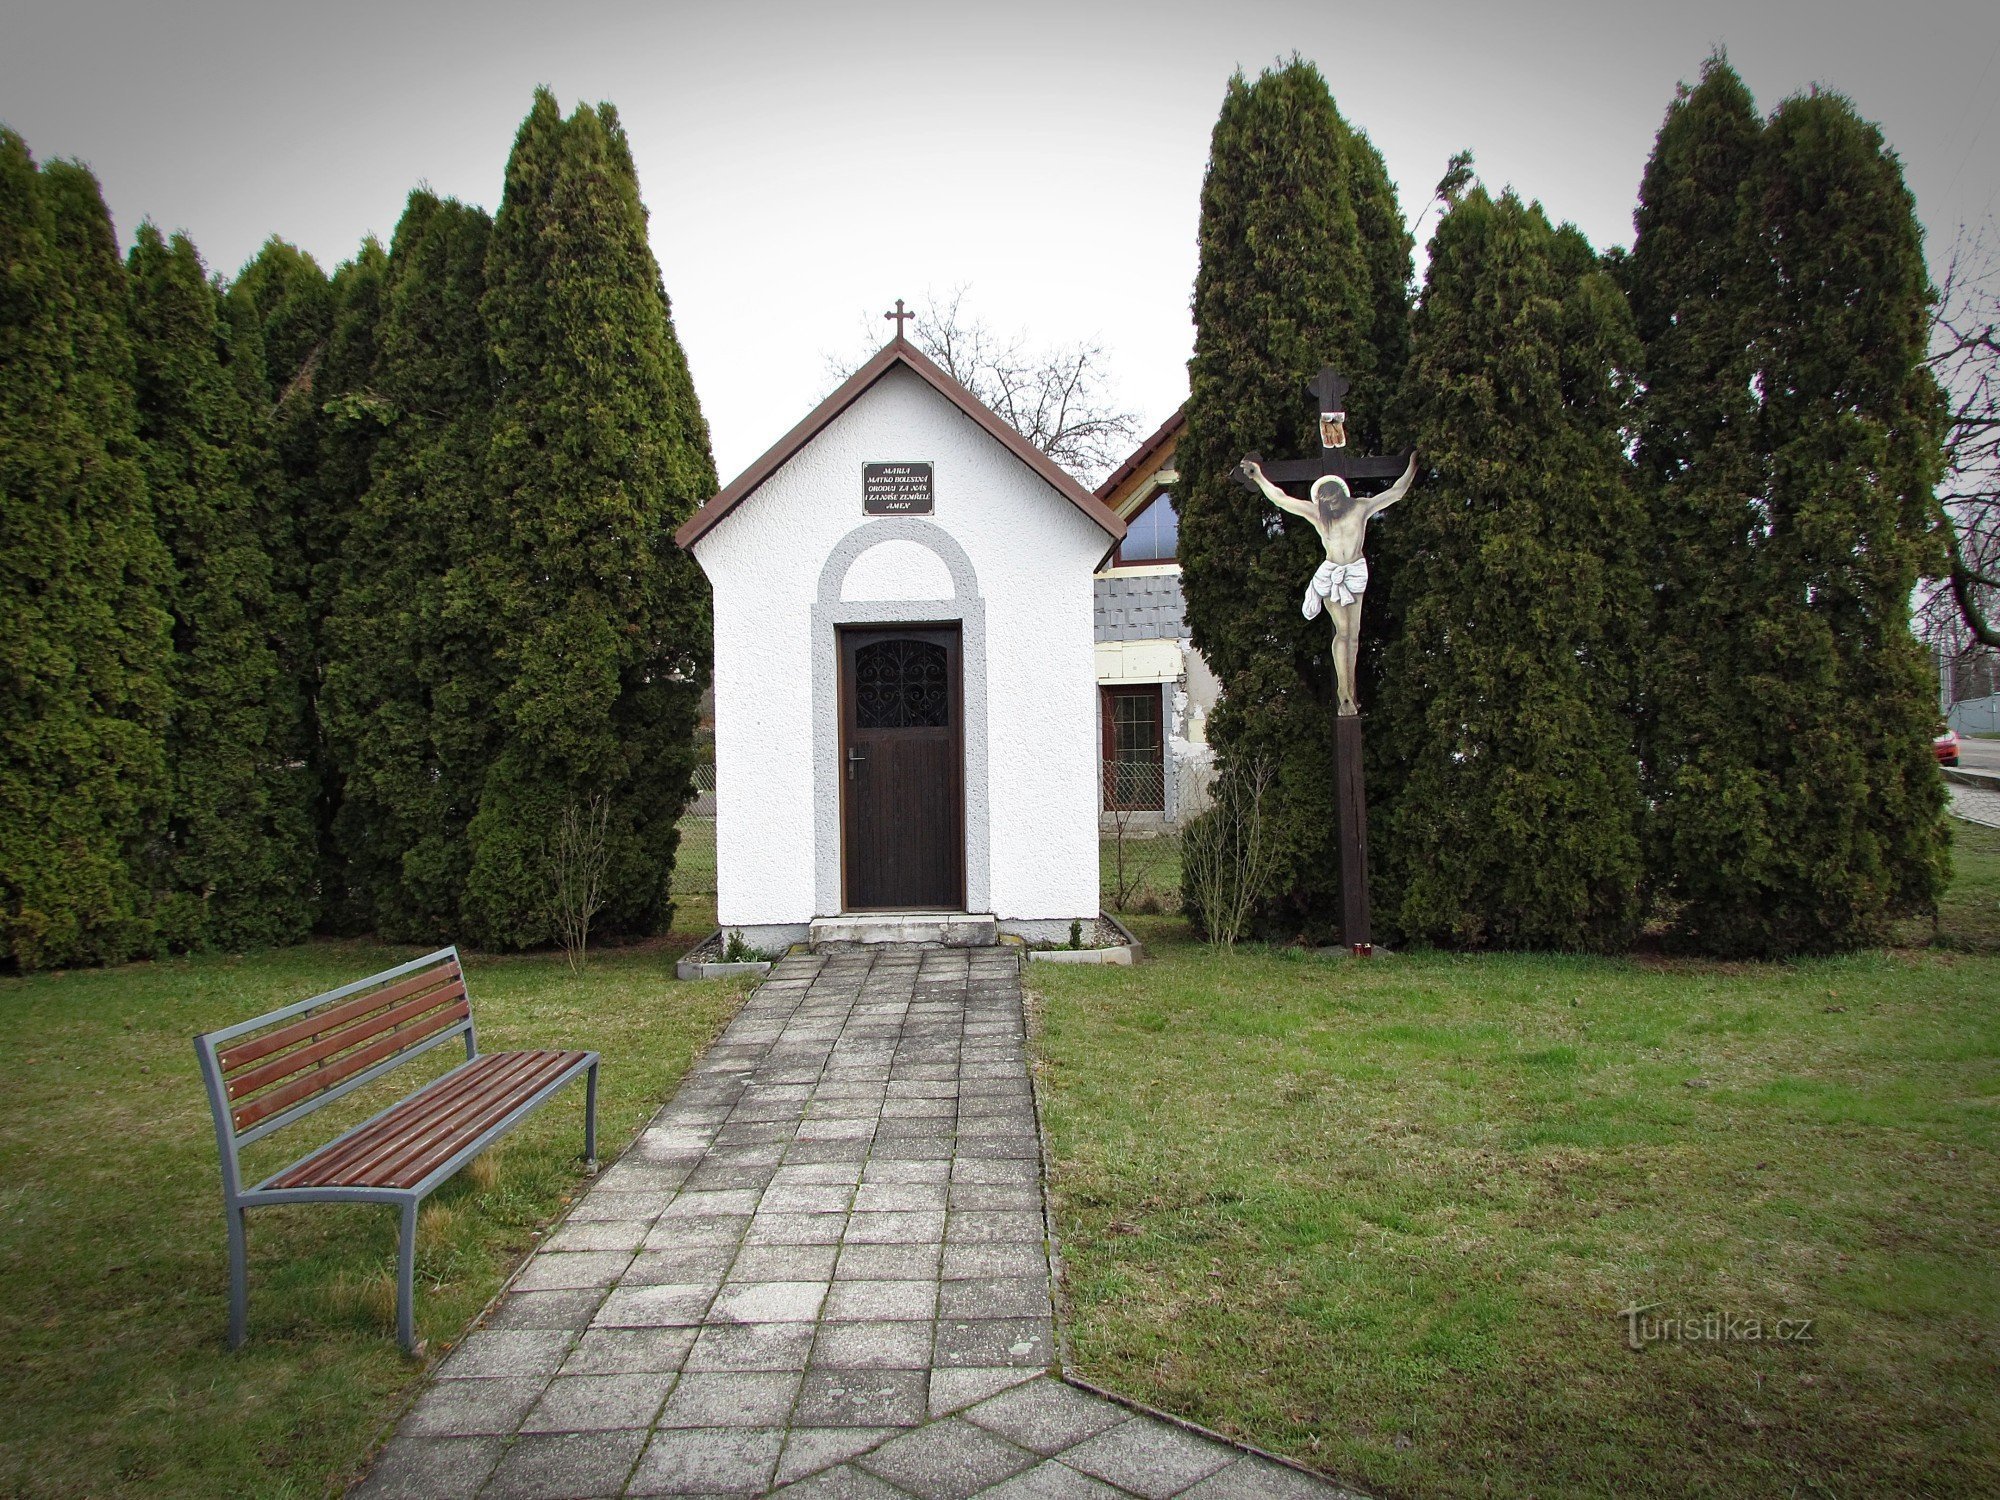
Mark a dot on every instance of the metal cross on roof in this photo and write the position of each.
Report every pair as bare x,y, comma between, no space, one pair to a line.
898,317
1329,389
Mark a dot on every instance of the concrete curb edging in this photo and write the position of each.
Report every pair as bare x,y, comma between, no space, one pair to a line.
1119,955
690,967
1127,952
686,970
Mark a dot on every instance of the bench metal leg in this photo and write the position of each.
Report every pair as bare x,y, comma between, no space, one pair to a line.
590,1121
239,1278
406,1279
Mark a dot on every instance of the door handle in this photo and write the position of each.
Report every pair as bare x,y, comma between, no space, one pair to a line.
852,757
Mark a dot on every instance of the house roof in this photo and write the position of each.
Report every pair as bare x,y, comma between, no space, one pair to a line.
1144,454
898,351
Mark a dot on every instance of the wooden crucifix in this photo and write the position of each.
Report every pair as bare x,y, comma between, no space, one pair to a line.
1341,518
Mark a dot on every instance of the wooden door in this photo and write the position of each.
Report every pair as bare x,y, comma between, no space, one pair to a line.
902,772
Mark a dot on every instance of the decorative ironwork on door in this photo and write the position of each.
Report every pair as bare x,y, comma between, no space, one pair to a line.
902,685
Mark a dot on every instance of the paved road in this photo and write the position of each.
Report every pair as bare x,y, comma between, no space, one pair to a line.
824,1265
1978,755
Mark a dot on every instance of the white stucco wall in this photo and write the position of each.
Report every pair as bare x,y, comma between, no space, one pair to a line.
896,570
1002,552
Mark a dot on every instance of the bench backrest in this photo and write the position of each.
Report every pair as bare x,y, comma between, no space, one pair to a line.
271,1070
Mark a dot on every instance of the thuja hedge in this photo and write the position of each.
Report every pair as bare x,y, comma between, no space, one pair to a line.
1638,648
327,595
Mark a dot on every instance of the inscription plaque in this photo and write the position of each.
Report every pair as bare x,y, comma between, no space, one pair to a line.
896,489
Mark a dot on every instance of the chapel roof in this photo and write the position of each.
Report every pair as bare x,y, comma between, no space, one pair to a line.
898,351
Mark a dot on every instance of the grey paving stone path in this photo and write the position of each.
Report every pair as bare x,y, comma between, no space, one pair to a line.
821,1269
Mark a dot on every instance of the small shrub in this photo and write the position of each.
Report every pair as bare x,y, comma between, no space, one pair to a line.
578,854
1228,854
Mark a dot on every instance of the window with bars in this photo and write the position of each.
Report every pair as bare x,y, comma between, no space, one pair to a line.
1134,749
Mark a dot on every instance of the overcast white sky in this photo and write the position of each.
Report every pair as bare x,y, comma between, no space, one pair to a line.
805,162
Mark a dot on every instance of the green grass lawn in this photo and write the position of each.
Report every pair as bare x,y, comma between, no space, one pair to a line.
113,1278
1382,1216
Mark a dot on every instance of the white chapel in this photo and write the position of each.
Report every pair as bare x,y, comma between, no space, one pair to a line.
906,720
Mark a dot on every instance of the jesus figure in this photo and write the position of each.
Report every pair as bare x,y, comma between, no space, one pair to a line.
1337,586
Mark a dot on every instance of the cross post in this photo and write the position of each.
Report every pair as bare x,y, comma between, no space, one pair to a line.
898,317
1331,456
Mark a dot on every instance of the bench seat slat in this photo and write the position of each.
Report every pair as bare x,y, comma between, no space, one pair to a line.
258,1047
432,1141
447,1102
301,1058
342,1068
405,1145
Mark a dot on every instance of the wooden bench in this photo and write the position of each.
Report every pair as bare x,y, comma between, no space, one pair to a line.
273,1070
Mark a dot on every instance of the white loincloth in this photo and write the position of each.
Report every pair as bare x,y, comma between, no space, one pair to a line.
1340,583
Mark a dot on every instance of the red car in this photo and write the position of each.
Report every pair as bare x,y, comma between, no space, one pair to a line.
1946,745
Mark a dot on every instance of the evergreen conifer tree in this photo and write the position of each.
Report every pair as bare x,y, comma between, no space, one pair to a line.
1304,263
1507,691
1385,247
305,349
279,309
349,420
598,450
1853,426
412,672
239,846
1713,737
1788,444
278,313
82,635
345,420
132,568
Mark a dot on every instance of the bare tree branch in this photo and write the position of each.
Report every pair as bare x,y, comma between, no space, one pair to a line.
1965,359
1056,396
1965,591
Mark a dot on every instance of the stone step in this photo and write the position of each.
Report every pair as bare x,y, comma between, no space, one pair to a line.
949,929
